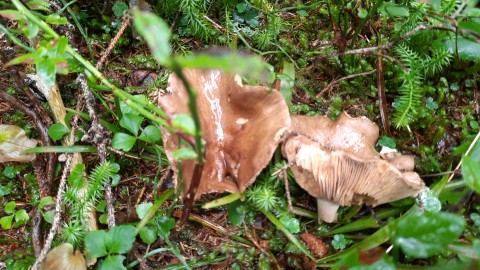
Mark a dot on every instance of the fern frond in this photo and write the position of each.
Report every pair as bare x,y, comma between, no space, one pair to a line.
435,63
410,99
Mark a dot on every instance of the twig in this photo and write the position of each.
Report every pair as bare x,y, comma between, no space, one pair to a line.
381,95
100,137
58,207
335,82
126,19
466,154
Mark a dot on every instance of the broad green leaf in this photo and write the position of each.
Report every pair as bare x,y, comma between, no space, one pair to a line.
393,10
156,33
150,134
131,122
101,206
57,131
184,122
120,239
235,212
6,222
362,260
95,243
241,7
3,191
164,225
39,5
148,234
471,173
184,153
292,224
103,219
76,179
467,49
45,201
387,141
10,207
362,13
424,234
47,71
119,8
113,263
142,209
123,141
472,24
475,217
48,216
21,216
11,14
115,180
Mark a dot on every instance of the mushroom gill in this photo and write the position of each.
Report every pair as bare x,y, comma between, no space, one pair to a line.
241,126
335,162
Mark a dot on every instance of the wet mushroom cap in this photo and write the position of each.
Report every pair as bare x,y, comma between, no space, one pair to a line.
241,126
339,173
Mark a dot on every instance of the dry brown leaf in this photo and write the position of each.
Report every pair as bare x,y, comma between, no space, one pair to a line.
13,141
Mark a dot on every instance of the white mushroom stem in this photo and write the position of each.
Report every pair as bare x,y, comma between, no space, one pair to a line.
327,211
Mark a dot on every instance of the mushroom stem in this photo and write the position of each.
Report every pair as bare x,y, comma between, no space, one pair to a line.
327,211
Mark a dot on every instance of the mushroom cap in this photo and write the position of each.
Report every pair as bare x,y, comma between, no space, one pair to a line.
13,141
338,173
354,135
241,126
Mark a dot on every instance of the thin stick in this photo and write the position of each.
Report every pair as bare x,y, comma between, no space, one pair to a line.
466,154
335,82
126,19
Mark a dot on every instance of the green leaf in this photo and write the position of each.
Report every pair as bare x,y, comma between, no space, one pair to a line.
47,71
241,7
164,225
235,212
150,134
393,10
10,207
3,191
148,234
119,8
21,216
11,14
120,239
95,243
56,19
184,153
6,222
48,200
424,234
156,33
123,141
75,179
113,263
362,260
429,201
131,122
467,49
475,217
471,173
142,209
292,224
339,242
48,216
362,13
184,122
103,219
387,141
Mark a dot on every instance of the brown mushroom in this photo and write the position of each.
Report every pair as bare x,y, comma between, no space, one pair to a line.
241,126
335,162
